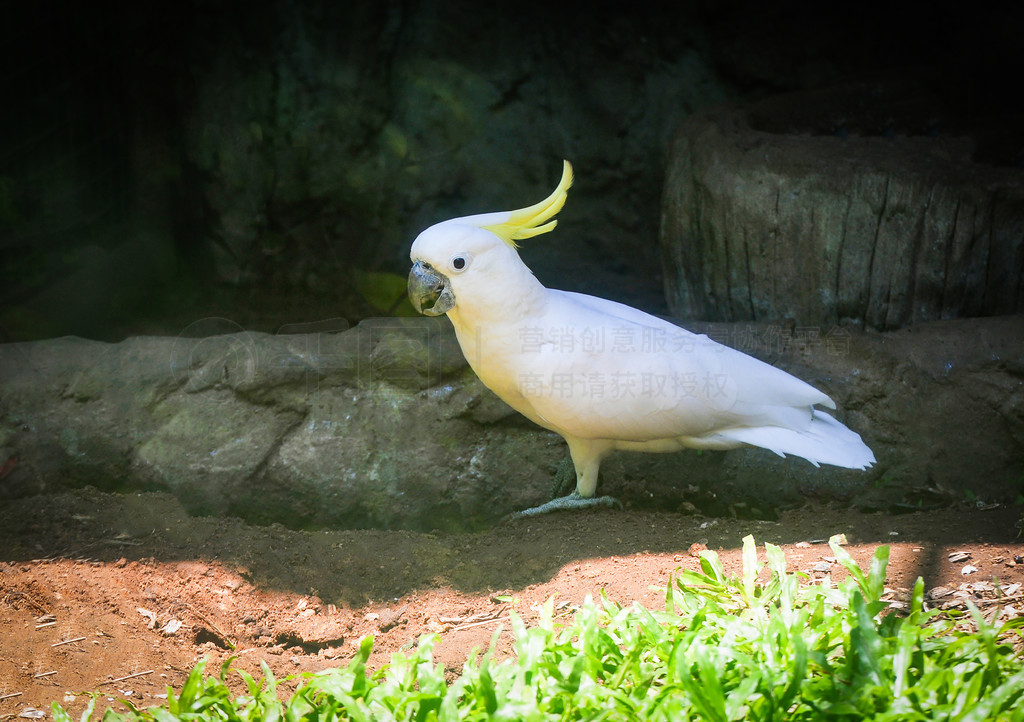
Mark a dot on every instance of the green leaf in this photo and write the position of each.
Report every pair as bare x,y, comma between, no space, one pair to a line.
844,558
1004,698
59,715
357,666
750,569
866,644
189,691
902,660
876,574
711,565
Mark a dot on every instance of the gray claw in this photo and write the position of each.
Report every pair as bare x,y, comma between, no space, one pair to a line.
563,503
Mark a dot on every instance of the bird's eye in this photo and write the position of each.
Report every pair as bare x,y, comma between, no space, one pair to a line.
460,262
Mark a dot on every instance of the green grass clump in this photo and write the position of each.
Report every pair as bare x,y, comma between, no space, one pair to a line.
721,649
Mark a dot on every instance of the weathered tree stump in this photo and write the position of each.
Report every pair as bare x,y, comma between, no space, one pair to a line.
865,204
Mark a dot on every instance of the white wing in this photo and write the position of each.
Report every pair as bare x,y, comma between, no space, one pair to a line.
595,369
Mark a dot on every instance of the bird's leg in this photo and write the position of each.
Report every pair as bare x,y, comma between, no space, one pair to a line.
579,472
565,479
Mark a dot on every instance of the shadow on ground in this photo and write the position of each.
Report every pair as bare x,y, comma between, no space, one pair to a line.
353,567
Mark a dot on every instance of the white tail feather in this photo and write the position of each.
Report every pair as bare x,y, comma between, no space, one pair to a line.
823,441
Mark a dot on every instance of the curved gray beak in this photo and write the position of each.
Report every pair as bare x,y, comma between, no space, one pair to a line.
429,291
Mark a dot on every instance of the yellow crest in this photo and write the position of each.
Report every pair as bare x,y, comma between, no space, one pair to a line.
530,222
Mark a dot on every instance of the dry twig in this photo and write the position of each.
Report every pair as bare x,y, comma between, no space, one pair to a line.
67,641
203,618
122,679
480,623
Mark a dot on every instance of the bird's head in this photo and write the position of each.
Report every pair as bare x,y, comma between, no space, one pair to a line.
469,256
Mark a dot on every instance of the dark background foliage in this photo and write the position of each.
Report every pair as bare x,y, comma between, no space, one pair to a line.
269,162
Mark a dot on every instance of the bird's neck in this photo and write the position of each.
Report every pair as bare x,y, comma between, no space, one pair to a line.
506,299
494,317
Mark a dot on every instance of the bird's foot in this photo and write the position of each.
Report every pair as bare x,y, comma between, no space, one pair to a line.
572,501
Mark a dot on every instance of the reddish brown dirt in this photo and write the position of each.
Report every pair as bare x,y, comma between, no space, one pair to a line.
88,581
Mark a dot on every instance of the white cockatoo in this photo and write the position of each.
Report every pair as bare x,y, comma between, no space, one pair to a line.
601,374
